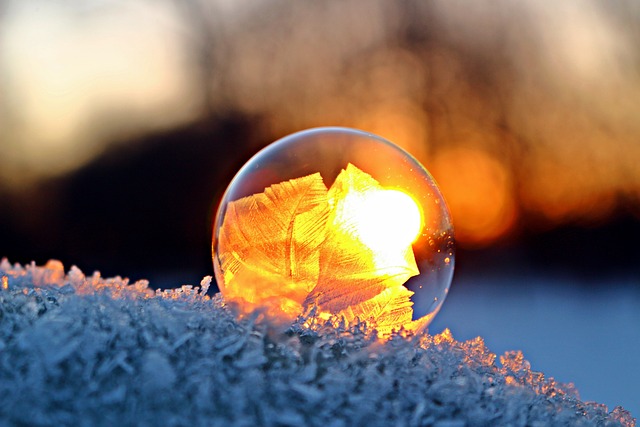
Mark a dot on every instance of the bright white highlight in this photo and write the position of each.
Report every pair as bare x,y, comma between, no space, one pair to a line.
384,218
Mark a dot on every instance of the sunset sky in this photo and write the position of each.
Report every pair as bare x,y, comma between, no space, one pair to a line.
526,113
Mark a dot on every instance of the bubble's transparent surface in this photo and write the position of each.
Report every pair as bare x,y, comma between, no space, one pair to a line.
340,220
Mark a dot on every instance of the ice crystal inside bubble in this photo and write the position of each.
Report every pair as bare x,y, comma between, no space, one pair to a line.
339,220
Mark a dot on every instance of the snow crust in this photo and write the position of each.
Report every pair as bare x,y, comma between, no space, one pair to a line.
86,350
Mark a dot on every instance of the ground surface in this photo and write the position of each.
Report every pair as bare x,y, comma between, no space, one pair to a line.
77,350
584,331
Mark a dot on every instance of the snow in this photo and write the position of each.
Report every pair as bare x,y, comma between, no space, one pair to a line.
567,327
85,350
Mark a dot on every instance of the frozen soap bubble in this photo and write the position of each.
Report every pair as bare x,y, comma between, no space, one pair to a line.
340,220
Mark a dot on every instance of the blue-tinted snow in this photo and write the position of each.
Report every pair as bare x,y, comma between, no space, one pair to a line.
567,329
78,350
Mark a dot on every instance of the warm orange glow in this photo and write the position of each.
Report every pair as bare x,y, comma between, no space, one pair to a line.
556,109
559,196
445,337
346,249
399,119
478,191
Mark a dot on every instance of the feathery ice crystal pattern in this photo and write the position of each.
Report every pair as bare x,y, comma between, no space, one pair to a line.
299,244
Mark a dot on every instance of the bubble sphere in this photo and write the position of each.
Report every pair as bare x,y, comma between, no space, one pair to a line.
335,221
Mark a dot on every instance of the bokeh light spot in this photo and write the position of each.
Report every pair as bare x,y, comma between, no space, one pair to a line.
478,190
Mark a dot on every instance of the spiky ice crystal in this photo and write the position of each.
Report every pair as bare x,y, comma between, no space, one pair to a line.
340,219
85,350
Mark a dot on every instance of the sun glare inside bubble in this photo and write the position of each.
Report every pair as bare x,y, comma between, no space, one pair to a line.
387,218
340,220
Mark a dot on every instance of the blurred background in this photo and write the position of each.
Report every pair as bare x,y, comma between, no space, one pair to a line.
122,122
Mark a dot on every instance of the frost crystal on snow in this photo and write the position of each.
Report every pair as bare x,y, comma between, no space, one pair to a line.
77,350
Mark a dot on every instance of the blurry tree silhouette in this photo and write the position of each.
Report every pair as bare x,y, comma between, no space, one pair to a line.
526,113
